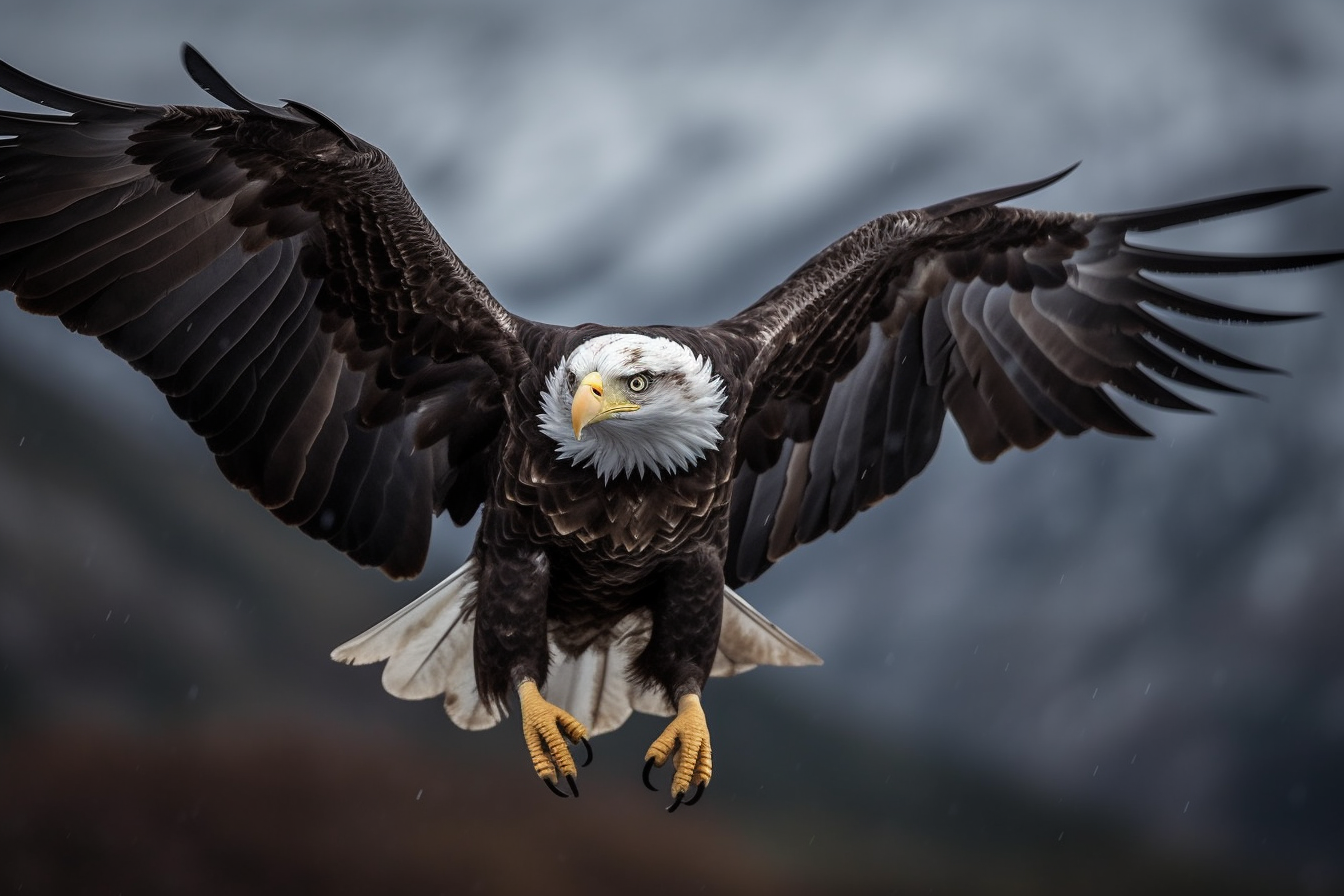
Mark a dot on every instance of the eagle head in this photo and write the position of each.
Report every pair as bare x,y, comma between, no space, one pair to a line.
625,403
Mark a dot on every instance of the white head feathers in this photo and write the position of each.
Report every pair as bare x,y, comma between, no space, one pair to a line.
677,420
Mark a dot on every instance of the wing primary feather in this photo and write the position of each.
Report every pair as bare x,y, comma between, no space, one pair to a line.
322,120
906,379
208,78
1150,219
874,447
994,197
977,422
317,373
1014,418
849,465
784,528
1165,261
138,338
232,425
44,94
204,307
980,302
815,511
923,428
405,503
122,229
405,556
256,345
754,542
25,232
1133,289
1160,331
739,567
1137,384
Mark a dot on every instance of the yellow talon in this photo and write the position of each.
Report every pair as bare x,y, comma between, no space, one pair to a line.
545,727
688,734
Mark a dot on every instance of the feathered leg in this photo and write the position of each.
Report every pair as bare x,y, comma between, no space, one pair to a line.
687,619
511,655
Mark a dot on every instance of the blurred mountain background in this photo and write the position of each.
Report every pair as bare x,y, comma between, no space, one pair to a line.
1103,665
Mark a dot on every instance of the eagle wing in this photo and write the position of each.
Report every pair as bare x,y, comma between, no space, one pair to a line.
1012,320
274,278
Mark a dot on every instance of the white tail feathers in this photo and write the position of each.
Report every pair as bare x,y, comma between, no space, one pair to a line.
428,648
427,645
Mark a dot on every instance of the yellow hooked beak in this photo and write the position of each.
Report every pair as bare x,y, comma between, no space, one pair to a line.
593,403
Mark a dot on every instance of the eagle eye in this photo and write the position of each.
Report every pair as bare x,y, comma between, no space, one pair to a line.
639,382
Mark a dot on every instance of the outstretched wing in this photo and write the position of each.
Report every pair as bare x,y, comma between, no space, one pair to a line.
1012,320
278,283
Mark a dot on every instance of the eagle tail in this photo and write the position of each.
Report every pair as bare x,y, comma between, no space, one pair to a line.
427,645
428,648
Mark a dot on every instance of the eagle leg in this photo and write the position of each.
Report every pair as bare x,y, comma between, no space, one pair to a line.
545,727
686,738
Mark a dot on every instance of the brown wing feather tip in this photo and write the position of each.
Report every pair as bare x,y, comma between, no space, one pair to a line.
322,120
1149,219
24,85
994,197
1165,261
208,78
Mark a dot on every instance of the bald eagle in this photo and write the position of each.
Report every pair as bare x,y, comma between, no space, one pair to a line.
272,275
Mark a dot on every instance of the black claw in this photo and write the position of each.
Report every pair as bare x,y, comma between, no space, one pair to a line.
648,767
556,790
672,808
574,788
699,792
589,747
